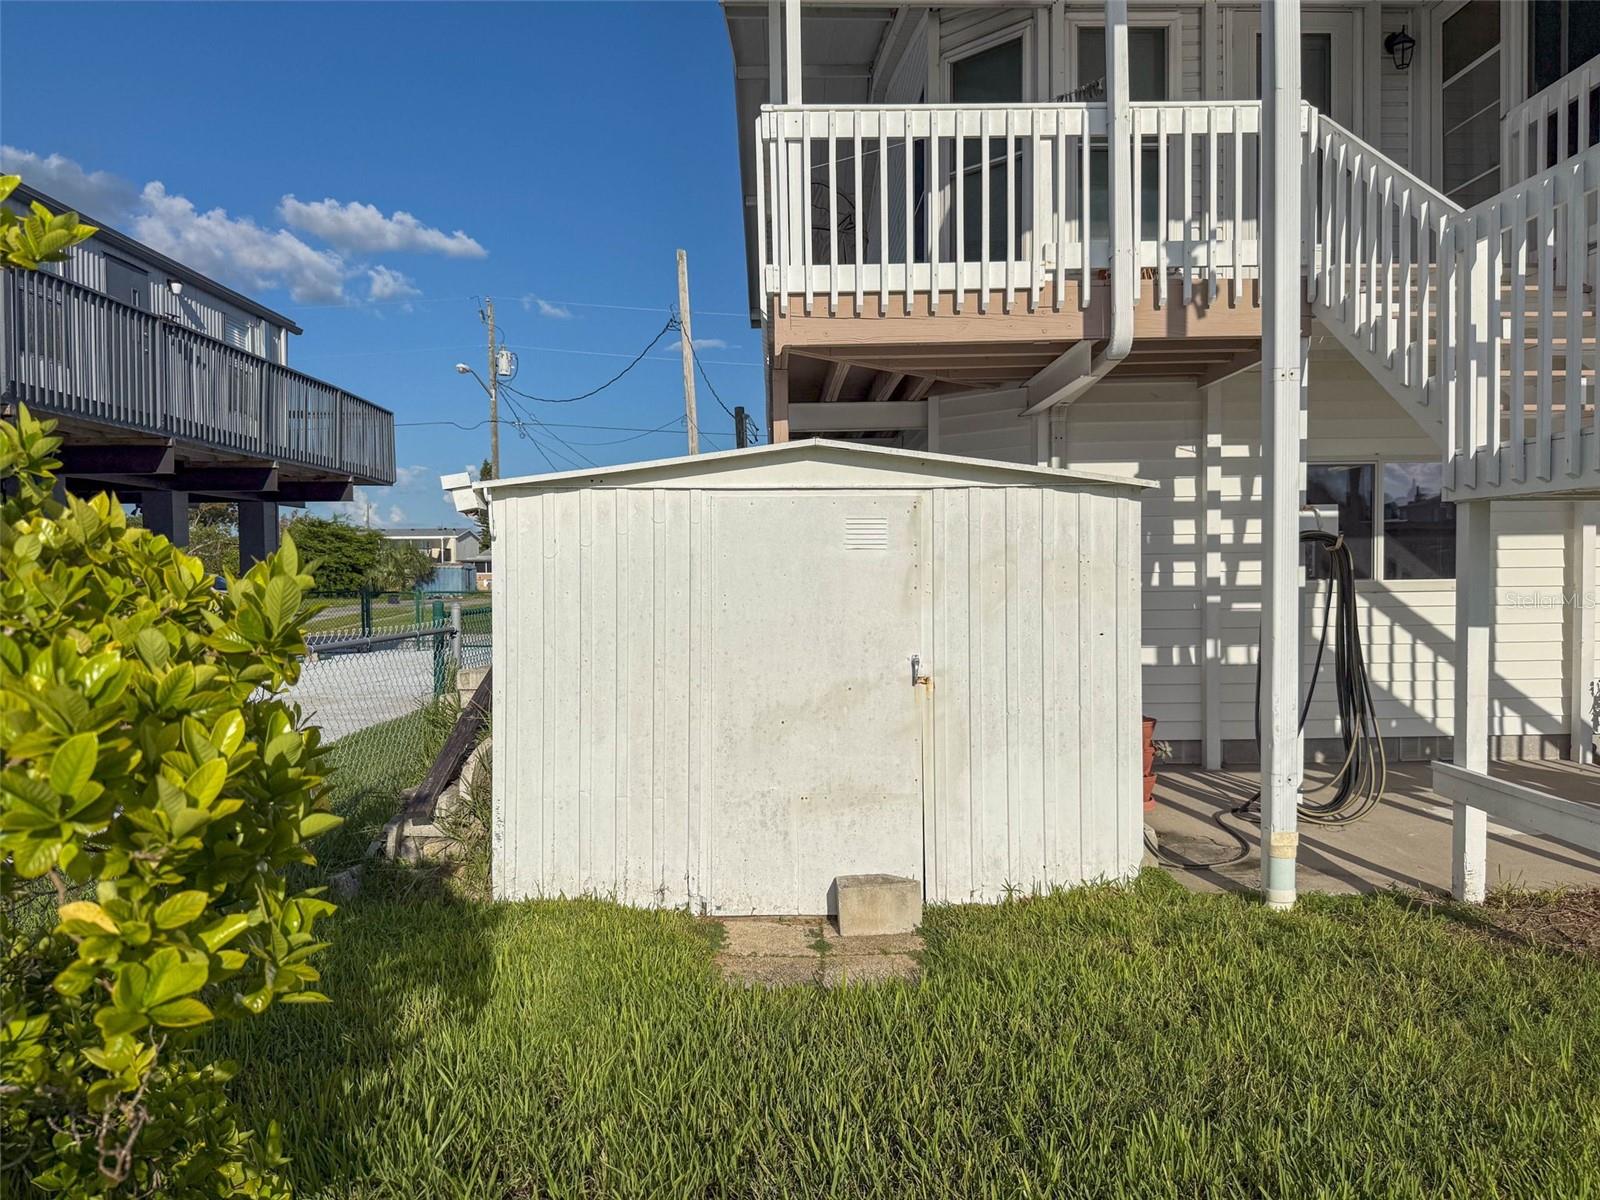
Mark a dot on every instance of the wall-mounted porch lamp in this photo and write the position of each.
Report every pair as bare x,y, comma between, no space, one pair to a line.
1400,46
175,286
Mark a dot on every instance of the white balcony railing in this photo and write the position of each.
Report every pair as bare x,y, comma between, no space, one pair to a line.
937,207
1552,126
1480,321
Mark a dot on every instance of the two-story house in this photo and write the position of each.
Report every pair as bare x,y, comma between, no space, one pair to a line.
938,198
170,387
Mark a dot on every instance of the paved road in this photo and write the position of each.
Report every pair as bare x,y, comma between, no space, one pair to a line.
346,692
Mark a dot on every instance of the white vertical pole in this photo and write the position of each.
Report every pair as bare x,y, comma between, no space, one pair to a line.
775,61
1211,662
791,52
1474,613
1584,667
1120,200
1280,442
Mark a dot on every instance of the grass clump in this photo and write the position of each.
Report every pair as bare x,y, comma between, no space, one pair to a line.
1100,1042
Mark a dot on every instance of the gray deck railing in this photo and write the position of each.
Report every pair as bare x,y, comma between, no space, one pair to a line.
71,351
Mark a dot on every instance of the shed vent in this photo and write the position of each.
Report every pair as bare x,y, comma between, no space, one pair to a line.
866,533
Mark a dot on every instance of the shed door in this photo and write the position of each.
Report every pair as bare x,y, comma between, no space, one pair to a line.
821,601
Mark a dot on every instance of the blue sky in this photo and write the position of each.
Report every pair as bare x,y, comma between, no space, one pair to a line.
572,146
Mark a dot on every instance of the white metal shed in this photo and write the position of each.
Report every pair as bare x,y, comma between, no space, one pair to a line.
704,677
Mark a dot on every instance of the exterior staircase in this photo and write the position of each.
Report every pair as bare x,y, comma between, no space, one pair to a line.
1481,322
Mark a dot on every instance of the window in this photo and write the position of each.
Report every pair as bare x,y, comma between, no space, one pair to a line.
991,76
1413,535
1419,527
1561,38
1147,81
1469,58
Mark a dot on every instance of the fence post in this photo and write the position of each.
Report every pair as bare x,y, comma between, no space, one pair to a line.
438,612
455,624
366,613
416,606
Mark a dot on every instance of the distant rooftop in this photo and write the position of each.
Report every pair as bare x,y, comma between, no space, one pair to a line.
437,531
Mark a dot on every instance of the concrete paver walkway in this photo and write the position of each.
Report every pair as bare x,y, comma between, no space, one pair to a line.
783,951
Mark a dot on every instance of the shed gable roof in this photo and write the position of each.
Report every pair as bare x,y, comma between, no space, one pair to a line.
813,462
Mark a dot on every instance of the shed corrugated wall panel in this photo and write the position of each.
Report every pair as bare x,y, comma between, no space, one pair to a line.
603,679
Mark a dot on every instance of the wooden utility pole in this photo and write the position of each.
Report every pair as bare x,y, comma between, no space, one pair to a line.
494,393
686,341
740,440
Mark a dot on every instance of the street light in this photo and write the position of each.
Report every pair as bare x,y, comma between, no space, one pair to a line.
463,369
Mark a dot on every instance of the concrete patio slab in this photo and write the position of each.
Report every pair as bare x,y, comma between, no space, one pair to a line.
1404,842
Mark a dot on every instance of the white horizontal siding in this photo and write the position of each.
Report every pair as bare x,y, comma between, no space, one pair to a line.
1154,432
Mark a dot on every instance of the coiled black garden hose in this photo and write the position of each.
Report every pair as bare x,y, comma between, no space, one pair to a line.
1358,785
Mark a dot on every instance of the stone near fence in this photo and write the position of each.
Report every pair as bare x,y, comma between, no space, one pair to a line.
467,681
878,904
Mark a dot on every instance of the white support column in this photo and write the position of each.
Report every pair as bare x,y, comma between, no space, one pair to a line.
1474,618
791,52
1211,661
1280,442
1583,661
775,61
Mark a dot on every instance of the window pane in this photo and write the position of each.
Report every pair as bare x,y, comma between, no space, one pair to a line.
1147,60
1472,151
1316,70
1349,489
992,76
1468,96
1583,34
1419,528
1544,44
1469,34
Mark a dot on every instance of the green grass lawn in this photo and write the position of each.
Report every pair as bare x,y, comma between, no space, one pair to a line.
1101,1042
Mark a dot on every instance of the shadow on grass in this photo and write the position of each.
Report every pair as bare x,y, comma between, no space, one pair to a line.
407,965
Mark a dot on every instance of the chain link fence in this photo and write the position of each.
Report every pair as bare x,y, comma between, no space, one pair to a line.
380,679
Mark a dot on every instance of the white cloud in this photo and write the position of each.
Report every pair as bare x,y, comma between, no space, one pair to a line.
98,194
237,248
532,303
365,509
711,344
384,283
359,227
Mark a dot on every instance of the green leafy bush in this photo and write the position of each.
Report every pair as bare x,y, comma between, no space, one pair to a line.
41,237
156,790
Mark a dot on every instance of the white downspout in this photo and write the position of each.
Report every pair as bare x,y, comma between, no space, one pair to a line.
1120,204
1282,761
1120,200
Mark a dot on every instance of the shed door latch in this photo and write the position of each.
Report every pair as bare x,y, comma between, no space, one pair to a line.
916,671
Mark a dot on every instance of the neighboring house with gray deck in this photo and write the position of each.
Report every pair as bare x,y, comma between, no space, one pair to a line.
169,387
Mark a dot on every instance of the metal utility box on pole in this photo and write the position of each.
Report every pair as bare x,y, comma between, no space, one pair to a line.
686,340
494,393
1282,762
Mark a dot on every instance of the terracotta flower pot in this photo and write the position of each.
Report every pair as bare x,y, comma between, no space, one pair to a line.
1149,763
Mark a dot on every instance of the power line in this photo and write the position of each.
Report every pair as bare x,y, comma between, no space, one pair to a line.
671,324
700,367
639,429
